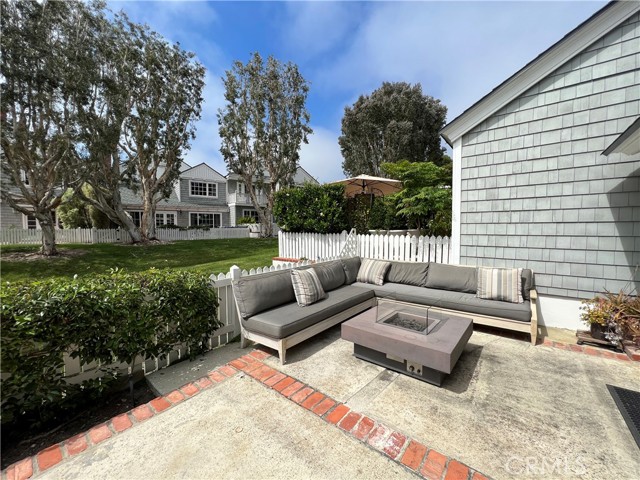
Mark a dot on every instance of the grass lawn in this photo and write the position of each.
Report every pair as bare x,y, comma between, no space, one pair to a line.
205,256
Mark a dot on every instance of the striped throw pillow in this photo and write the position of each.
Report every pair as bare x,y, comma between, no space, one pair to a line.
373,271
504,284
306,286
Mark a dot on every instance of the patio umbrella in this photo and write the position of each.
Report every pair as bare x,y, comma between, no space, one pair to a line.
376,186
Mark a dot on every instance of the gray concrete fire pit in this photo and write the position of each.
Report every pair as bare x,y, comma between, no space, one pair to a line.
416,341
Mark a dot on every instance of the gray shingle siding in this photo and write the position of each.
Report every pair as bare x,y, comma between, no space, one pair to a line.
9,218
535,189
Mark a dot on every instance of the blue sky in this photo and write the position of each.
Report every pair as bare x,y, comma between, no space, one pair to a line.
458,51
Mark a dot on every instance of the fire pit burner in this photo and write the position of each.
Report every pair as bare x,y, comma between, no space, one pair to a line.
409,321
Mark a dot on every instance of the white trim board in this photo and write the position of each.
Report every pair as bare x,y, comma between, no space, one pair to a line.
456,202
575,42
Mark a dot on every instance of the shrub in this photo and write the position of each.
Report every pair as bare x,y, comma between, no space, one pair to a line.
111,318
311,208
247,221
383,214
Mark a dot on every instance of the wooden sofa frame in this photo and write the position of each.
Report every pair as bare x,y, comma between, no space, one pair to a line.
281,345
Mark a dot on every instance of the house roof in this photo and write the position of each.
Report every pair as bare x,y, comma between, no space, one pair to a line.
202,171
596,26
235,176
628,142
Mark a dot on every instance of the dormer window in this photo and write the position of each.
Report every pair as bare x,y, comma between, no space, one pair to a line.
203,189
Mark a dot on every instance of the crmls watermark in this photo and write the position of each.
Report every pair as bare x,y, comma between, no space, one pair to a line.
545,466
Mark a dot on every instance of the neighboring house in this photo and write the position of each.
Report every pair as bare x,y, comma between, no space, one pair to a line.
546,167
201,197
240,204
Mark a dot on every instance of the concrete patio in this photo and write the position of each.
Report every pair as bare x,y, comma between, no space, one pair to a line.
508,410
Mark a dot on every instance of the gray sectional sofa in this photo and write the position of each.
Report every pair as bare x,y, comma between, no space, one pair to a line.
269,314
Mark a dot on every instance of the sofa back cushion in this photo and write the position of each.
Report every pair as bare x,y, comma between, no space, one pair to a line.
408,273
528,283
373,271
350,267
257,293
503,284
452,277
331,274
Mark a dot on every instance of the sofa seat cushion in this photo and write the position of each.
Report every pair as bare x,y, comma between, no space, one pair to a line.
464,302
288,319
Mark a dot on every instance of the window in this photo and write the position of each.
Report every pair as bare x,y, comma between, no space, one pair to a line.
205,220
165,219
24,176
203,189
30,222
136,217
250,213
242,189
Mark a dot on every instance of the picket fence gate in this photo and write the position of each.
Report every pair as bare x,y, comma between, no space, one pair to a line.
404,248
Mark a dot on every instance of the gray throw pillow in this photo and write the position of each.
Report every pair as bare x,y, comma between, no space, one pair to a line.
373,271
408,273
306,286
331,274
452,277
503,284
351,266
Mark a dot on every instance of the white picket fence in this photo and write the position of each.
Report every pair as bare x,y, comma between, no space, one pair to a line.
406,248
12,236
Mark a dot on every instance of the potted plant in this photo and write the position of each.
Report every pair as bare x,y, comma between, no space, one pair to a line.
613,317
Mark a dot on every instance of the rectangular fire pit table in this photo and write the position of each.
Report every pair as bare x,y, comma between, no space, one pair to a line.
387,335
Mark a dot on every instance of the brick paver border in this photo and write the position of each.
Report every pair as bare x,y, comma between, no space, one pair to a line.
403,450
589,350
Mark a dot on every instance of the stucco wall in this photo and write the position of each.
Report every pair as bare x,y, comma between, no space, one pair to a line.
535,189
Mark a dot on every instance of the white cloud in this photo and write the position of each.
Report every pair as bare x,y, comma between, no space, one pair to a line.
321,157
457,51
315,27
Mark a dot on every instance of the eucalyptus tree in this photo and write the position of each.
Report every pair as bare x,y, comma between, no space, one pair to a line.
262,127
397,121
46,57
140,120
101,119
166,86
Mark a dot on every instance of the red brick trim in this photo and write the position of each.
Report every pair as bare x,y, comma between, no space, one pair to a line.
405,451
589,350
53,455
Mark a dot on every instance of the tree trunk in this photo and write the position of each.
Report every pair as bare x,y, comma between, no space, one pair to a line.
148,224
112,207
48,234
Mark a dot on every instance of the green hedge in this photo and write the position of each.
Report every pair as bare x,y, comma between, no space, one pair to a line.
311,208
99,318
